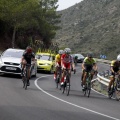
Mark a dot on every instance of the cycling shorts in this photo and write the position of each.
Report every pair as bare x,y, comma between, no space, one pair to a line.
88,69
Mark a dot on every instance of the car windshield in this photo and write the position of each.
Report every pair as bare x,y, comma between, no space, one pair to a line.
45,57
13,53
79,55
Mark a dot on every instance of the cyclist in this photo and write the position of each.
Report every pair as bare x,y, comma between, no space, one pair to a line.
27,57
89,64
66,61
114,68
75,59
57,62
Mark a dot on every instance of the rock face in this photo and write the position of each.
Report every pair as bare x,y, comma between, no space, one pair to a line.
91,25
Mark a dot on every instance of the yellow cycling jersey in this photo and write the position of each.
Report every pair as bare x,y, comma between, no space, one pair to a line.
89,61
58,58
115,64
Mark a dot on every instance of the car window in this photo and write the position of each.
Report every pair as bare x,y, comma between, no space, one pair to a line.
44,57
13,53
79,55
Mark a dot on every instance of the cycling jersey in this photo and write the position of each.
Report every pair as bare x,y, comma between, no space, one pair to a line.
28,57
116,65
88,63
66,61
66,58
58,58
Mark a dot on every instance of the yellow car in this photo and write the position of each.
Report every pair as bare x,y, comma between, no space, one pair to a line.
45,62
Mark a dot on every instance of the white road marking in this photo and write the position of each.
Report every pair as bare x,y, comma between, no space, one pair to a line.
69,102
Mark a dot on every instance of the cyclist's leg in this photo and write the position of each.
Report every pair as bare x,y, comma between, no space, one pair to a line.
83,71
56,70
84,78
87,69
63,74
55,73
92,73
112,79
23,66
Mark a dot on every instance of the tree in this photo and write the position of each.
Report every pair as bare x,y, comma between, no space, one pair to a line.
31,16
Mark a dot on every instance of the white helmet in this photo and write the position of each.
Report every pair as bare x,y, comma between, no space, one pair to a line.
118,57
60,52
67,50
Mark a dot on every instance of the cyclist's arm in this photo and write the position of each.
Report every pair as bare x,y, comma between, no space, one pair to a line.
72,62
61,62
83,66
56,60
111,68
33,58
95,67
22,59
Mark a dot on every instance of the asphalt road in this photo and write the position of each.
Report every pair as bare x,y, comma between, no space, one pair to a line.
42,101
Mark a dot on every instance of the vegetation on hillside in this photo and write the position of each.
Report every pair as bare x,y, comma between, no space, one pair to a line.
91,25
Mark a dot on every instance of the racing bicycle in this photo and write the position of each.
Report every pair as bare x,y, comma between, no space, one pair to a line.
115,90
87,88
58,78
25,77
66,86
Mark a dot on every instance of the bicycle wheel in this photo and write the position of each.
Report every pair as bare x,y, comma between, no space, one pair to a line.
85,90
23,79
88,89
57,81
63,87
25,84
110,93
86,86
26,79
117,95
67,87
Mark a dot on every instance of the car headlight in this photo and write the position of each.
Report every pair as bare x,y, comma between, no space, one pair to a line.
0,61
47,64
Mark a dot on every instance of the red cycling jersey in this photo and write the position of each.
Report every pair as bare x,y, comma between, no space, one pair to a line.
66,61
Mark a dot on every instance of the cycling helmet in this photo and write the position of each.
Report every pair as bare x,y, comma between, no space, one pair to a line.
90,55
60,52
67,50
29,49
118,57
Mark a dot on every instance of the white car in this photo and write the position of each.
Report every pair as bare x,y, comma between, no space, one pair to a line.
10,62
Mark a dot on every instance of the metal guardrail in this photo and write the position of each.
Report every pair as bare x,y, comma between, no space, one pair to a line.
104,76
103,60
